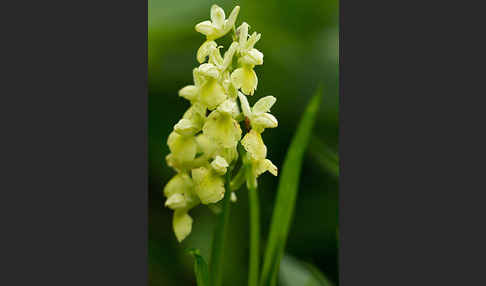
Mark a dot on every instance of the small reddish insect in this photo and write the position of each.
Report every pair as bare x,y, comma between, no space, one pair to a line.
247,124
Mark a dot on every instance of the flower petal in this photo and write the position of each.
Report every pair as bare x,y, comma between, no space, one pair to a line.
176,201
204,50
179,184
266,120
230,22
189,92
263,104
242,32
219,164
253,144
186,127
254,38
217,16
230,107
182,224
228,55
265,165
215,56
252,57
246,79
245,106
212,94
206,28
198,78
209,70
183,166
206,146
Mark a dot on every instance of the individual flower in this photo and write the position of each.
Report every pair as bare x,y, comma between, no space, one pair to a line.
245,77
192,121
180,195
183,148
257,151
218,26
259,115
221,127
209,182
206,89
180,192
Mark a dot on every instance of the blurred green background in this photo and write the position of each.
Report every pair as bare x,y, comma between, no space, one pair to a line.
300,46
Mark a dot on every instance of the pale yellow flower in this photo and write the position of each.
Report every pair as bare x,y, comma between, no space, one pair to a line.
180,192
181,198
259,115
221,127
209,185
253,144
218,26
206,89
183,148
192,121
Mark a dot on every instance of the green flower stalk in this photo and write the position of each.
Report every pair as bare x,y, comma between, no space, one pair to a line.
219,129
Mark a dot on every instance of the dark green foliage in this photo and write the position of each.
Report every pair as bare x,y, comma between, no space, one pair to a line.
287,193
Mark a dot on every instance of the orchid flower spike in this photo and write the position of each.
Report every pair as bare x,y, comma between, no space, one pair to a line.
204,143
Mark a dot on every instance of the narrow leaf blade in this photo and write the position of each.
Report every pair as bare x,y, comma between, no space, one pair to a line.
287,193
200,268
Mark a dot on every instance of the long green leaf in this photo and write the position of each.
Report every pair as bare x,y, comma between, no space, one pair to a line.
287,194
200,268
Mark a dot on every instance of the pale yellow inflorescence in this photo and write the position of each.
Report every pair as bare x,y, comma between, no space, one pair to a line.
203,144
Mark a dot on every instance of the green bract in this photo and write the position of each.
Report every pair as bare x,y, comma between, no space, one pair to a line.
204,143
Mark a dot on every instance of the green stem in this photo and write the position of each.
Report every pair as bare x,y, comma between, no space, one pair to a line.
254,236
238,179
219,236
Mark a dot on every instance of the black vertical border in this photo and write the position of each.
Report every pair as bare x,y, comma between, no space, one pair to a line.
74,143
411,153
